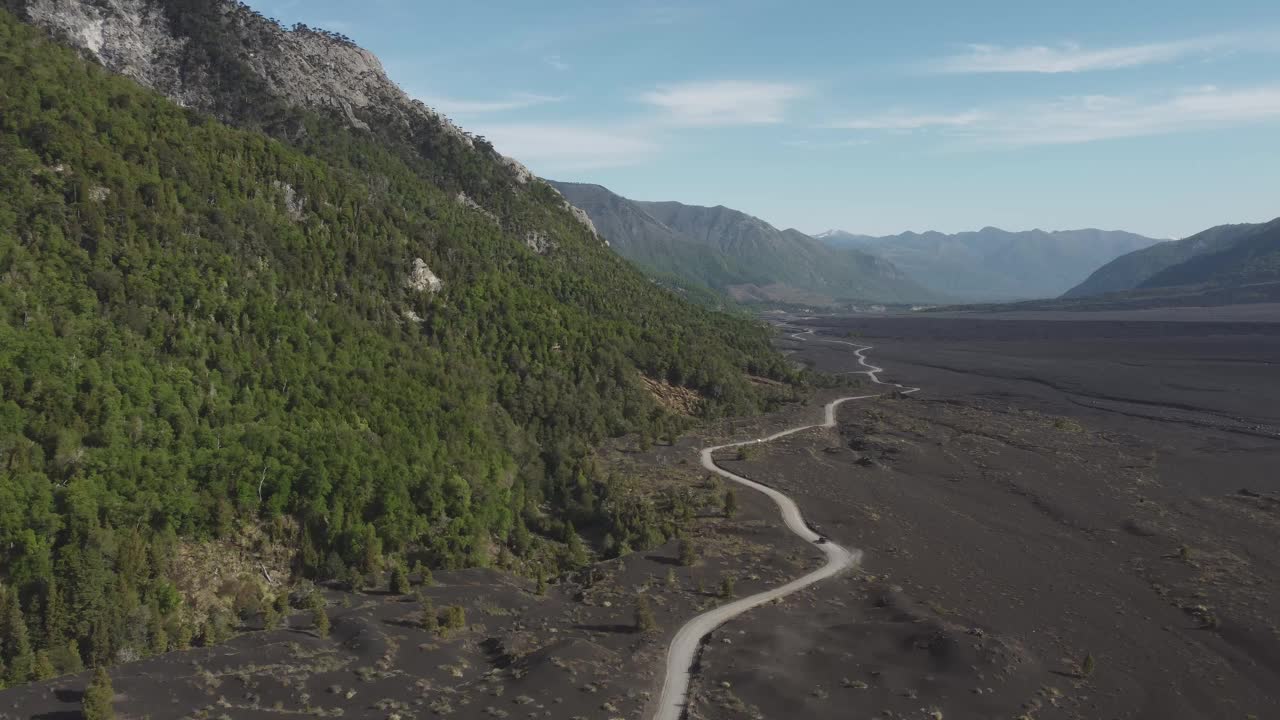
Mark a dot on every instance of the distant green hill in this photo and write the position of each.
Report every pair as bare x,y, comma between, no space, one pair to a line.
1133,270
734,252
1253,257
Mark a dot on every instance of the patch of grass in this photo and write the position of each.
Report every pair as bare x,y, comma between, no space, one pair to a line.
493,609
1068,425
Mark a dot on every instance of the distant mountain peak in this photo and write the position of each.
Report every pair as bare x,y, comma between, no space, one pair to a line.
738,253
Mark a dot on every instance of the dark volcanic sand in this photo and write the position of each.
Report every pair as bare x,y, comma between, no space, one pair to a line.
1058,490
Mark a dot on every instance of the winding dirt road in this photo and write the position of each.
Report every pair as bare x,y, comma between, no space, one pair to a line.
683,651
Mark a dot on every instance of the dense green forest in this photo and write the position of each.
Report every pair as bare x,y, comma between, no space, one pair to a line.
204,329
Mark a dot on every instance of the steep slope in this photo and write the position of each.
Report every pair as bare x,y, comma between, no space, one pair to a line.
994,264
1254,257
1131,271
729,250
371,339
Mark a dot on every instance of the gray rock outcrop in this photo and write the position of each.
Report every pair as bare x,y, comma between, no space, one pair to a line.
422,279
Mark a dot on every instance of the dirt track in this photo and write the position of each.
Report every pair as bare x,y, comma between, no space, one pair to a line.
683,651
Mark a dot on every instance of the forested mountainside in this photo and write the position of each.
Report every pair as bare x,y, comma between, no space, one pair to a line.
734,252
1131,271
367,340
993,264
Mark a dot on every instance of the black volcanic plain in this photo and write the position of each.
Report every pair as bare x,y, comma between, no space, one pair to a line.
1075,518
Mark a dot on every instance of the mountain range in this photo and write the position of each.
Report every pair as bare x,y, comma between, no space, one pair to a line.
1224,265
739,254
993,264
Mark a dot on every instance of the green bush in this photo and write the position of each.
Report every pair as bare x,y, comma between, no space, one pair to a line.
455,619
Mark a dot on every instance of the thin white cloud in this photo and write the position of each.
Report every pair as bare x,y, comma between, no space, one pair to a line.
1089,118
723,103
516,101
569,147
825,144
1102,117
908,121
1074,58
557,63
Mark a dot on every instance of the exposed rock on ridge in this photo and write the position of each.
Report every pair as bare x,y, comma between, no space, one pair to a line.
300,67
306,67
422,279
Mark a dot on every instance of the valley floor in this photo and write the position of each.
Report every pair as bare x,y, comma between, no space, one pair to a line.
1072,520
570,653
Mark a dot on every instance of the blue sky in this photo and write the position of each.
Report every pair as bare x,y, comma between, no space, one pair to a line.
1160,117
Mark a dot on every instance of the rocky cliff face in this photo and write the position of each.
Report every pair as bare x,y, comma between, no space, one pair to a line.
128,36
305,67
221,57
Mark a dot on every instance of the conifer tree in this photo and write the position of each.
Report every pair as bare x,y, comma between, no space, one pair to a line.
576,550
371,560
320,621
55,615
43,667
97,701
66,659
730,503
430,620
399,580
644,621
18,657
688,553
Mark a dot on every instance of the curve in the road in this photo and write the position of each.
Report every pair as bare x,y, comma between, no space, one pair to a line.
683,650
